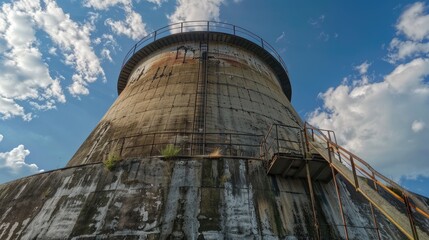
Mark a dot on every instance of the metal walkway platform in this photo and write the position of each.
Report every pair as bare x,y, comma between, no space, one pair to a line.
292,165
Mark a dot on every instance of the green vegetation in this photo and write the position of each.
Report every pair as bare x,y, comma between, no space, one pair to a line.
111,162
170,151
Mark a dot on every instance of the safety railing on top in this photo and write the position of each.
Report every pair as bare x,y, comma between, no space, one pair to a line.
203,26
360,168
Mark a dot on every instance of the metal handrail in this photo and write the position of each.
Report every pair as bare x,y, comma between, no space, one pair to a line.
273,143
203,26
374,175
231,144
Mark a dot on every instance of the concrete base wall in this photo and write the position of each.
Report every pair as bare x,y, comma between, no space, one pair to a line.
152,198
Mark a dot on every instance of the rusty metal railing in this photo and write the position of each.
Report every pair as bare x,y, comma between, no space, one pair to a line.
360,168
282,139
190,143
203,26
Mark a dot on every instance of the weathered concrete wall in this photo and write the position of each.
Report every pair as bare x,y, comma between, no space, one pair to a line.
177,91
225,97
186,198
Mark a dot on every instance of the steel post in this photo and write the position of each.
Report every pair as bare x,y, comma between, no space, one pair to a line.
337,189
410,216
277,138
375,221
354,173
310,187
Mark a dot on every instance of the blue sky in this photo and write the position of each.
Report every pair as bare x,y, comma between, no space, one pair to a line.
357,67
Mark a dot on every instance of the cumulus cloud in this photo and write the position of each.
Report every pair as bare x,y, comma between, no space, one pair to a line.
414,22
73,40
9,109
371,120
105,4
400,50
363,68
13,165
413,25
379,121
189,10
25,76
158,3
132,27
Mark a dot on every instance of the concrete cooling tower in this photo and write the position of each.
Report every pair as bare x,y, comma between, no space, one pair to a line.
203,143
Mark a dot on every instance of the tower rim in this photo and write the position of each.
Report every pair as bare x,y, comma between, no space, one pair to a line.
204,31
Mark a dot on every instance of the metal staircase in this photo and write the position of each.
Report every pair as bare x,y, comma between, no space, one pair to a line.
357,172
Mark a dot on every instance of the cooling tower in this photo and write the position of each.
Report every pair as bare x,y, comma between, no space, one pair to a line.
201,143
197,90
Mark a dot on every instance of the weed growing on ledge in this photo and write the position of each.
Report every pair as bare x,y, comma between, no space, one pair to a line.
170,151
111,162
216,153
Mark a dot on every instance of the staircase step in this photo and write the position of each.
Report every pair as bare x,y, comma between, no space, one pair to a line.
385,207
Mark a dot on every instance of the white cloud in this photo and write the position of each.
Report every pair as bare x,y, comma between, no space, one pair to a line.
414,26
280,37
400,50
189,10
9,108
370,118
78,87
409,77
105,4
132,27
73,40
374,119
105,53
25,76
417,126
414,22
363,68
52,51
13,165
158,3
109,45
107,40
